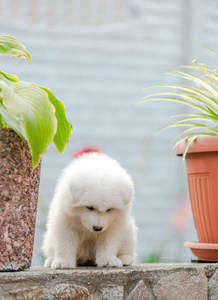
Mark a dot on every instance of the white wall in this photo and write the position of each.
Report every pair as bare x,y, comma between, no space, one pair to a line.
99,72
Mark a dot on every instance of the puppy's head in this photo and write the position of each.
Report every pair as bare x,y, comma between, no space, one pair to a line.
95,220
101,192
98,208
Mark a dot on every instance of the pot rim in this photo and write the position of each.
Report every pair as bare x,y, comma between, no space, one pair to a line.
197,245
201,144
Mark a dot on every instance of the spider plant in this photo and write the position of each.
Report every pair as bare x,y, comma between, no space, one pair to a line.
31,110
200,94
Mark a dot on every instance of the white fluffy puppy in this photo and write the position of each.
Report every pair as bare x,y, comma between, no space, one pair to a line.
89,218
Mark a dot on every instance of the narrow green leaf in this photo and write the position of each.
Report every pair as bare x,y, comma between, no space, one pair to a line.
212,113
188,94
198,134
197,80
210,49
189,89
197,116
191,125
10,46
176,100
203,98
64,128
184,132
189,141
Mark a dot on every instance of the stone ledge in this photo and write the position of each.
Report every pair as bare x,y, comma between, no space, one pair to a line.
139,282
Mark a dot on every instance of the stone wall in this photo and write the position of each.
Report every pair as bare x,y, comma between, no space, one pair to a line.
140,282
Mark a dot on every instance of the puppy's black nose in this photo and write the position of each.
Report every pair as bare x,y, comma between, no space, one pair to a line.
97,228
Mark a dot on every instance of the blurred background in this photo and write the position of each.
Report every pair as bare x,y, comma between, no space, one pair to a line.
97,56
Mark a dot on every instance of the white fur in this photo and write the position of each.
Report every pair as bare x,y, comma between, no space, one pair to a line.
98,181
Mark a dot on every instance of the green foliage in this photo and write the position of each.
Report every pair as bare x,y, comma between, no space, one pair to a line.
201,94
32,111
155,257
12,47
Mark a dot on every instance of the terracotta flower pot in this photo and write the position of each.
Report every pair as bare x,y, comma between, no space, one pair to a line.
202,171
19,185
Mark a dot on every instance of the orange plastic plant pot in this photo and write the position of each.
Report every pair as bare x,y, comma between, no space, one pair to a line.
202,171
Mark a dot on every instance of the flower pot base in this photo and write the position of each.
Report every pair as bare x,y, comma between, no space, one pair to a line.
204,251
19,185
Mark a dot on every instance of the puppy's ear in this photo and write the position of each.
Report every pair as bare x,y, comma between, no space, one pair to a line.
128,193
77,192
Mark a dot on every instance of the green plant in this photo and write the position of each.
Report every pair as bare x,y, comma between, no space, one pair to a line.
201,95
31,110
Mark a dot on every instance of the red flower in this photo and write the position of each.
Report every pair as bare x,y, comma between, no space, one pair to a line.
86,150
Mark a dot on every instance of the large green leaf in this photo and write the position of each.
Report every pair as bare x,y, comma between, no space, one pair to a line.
64,128
8,121
32,111
10,46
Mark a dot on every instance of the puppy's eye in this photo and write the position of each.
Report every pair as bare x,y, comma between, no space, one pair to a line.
108,209
90,207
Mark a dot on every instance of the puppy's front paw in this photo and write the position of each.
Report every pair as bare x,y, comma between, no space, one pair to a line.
48,262
112,262
61,263
115,262
127,260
